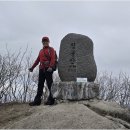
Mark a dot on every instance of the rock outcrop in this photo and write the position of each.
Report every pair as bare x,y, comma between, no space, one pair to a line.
92,114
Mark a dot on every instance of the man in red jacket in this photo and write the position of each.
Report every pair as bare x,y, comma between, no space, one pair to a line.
46,58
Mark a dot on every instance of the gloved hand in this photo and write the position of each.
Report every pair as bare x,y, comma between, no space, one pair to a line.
49,69
30,69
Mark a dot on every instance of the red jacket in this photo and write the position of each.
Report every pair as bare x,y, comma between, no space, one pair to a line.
42,58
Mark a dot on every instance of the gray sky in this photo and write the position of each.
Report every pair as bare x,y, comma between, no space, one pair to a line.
106,23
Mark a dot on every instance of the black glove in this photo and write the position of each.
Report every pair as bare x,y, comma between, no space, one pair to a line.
30,69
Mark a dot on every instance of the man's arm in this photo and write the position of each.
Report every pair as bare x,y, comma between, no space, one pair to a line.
35,63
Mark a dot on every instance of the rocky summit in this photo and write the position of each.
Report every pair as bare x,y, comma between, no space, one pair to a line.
88,114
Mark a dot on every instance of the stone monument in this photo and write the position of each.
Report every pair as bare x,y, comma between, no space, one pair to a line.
76,60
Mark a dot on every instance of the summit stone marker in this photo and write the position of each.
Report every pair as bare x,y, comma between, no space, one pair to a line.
76,58
76,61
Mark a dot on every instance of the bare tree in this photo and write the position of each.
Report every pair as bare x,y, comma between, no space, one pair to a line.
19,85
115,88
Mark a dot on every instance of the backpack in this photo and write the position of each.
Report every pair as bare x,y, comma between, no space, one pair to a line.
56,59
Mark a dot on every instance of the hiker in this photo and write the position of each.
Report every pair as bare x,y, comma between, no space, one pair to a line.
47,59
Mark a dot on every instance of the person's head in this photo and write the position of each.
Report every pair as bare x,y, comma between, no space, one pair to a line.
45,41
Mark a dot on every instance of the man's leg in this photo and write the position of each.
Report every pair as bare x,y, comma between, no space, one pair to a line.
41,80
49,79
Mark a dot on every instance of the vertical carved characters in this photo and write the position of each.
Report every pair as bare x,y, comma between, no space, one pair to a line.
76,58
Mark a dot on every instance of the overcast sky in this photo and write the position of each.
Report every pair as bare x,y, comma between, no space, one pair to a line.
106,23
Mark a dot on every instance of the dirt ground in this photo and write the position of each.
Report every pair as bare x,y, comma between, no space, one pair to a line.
12,112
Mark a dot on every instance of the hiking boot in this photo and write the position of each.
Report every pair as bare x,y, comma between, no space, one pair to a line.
34,103
50,102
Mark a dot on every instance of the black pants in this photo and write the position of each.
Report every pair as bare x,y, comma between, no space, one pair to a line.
44,75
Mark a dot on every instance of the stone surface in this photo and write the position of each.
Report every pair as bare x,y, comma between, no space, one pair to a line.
71,115
110,109
76,58
75,90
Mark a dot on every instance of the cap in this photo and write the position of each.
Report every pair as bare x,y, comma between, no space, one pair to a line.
45,39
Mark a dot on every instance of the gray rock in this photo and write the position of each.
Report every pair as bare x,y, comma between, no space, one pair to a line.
71,115
76,58
109,109
75,90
